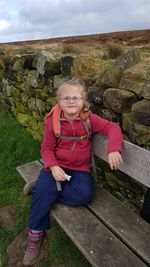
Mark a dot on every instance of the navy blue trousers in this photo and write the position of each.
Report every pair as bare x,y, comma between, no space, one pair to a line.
77,191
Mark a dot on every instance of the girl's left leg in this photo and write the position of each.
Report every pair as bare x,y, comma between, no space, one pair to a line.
77,191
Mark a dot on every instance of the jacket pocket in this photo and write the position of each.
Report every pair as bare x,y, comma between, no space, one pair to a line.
64,155
82,157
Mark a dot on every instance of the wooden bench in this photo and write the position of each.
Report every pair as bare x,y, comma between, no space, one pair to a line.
107,232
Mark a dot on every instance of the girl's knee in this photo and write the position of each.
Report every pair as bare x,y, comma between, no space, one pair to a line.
84,187
87,197
86,192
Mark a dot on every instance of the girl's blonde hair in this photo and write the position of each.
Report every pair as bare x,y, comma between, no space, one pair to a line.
81,85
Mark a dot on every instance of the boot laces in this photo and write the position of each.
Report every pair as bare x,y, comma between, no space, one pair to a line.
33,246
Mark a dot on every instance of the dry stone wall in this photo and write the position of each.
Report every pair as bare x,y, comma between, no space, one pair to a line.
120,92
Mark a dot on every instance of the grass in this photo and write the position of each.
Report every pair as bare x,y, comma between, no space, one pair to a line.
18,147
113,50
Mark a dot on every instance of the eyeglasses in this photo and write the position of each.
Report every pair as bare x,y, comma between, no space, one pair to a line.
74,99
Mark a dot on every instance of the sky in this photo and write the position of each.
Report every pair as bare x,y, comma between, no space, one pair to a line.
42,19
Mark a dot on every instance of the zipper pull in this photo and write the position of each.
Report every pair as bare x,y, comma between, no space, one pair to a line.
73,147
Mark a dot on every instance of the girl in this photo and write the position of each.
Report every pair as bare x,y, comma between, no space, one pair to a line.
65,152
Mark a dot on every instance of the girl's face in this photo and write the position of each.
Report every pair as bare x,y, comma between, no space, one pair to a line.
71,101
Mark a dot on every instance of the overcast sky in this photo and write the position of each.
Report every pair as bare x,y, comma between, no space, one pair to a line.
38,19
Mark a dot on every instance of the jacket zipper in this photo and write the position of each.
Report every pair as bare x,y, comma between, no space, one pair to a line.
73,145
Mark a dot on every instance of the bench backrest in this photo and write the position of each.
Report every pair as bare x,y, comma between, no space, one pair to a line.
136,160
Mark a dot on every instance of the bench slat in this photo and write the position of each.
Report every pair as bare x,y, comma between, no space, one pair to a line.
30,170
98,244
136,160
129,227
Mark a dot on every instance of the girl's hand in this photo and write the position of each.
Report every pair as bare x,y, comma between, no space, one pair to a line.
114,160
58,173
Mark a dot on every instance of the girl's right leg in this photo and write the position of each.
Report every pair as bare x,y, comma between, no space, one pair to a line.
44,194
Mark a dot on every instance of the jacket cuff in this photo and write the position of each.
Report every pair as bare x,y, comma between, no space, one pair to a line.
113,149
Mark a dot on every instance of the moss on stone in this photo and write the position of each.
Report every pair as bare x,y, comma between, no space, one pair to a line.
138,133
21,108
23,119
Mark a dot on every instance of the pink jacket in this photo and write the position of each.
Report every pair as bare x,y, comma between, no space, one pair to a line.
75,154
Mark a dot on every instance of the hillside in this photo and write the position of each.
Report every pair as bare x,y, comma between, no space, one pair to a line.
125,38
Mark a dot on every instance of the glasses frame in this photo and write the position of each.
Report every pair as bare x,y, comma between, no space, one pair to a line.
74,99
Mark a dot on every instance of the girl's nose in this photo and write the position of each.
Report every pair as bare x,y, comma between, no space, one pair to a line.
71,100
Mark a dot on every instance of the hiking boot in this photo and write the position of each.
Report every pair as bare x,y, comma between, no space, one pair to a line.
35,241
28,187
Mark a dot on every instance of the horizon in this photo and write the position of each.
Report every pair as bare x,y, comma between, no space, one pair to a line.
75,36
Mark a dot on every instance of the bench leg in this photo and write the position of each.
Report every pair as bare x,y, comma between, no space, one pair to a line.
145,212
28,187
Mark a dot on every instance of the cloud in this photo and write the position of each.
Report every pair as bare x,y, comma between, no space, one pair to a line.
4,24
36,19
